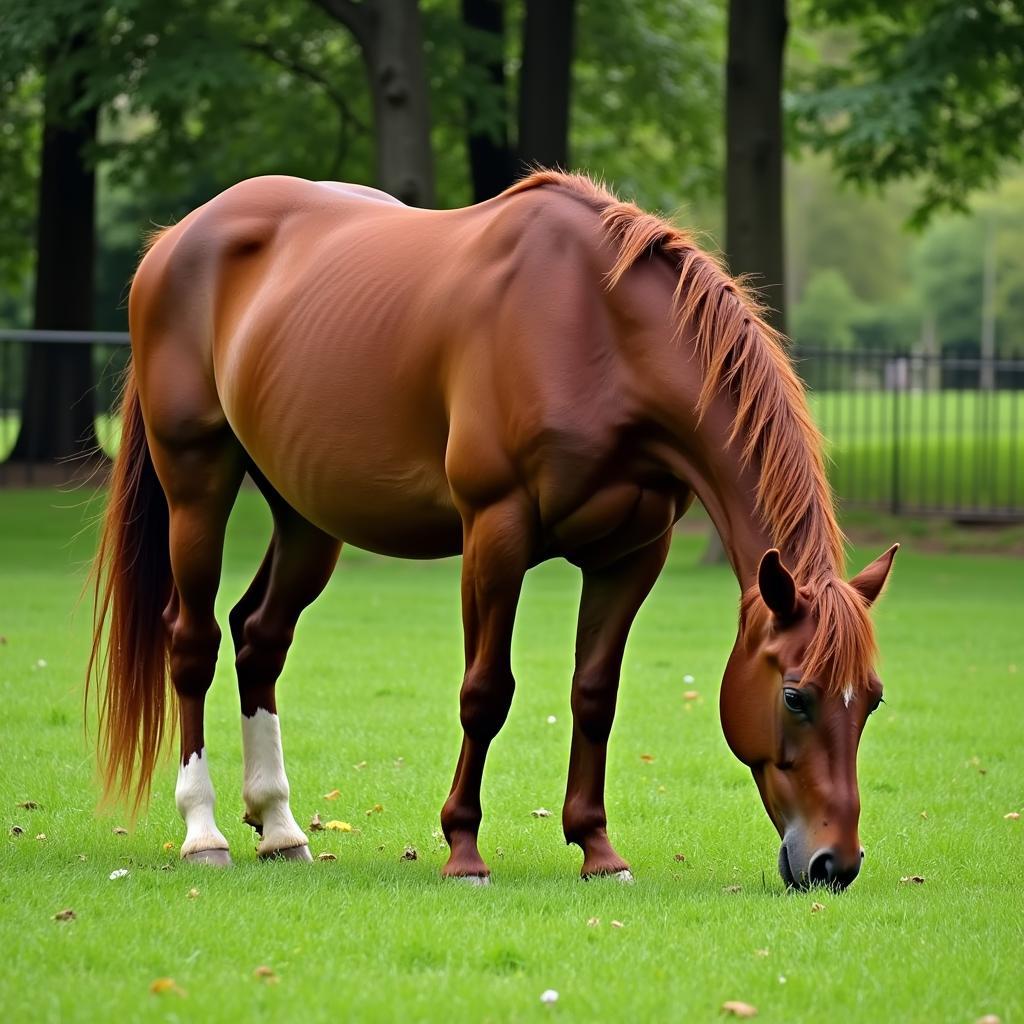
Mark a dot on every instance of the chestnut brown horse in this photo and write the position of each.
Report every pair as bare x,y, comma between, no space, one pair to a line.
550,373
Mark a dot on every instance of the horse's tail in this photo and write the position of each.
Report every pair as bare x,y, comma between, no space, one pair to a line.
131,582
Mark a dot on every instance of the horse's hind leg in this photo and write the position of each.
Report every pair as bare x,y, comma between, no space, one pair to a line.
609,603
295,570
201,480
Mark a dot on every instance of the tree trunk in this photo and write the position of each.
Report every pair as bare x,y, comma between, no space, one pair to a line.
545,83
490,160
754,147
390,36
57,406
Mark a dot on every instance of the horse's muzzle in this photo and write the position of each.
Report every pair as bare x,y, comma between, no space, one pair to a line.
823,869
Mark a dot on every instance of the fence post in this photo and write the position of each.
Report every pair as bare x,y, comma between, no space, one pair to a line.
895,502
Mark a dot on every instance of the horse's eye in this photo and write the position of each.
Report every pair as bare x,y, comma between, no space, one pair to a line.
794,700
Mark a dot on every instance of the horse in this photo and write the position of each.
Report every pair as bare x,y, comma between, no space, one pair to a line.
550,373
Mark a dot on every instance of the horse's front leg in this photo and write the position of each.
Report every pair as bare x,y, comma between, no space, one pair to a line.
496,554
609,603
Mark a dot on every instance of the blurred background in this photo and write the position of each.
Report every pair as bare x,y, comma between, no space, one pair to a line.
860,159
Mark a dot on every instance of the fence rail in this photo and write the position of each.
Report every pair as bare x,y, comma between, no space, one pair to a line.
909,434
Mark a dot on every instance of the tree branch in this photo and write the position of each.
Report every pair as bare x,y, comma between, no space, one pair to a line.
358,18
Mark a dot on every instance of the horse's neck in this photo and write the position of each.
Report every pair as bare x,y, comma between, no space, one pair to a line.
727,489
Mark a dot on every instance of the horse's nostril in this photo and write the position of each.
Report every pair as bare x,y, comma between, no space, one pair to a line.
821,870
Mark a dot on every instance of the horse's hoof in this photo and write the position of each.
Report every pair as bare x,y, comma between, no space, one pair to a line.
623,877
215,858
300,853
473,880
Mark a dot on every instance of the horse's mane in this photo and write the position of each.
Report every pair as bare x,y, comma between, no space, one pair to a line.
740,351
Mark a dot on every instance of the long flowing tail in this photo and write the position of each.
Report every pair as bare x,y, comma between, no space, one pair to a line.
131,582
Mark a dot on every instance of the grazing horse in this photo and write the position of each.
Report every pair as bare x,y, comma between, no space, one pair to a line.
549,373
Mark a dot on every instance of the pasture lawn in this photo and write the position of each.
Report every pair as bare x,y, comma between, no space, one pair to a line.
369,706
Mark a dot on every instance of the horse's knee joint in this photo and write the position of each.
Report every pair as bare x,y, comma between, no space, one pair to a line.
193,652
593,704
485,700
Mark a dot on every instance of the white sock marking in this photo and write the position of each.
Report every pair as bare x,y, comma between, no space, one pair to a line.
265,787
194,796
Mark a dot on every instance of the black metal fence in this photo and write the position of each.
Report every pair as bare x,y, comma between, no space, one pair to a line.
921,434
908,434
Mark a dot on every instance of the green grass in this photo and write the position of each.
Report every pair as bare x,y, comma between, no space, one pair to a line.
374,677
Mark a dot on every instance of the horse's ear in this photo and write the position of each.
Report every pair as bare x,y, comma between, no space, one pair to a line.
777,586
870,581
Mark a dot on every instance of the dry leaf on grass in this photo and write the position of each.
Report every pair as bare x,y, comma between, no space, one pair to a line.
647,758
339,826
737,1009
912,880
168,847
64,915
989,1018
679,857
359,767
29,805
617,924
120,831
326,856
333,795
410,853
17,830
375,809
315,824
541,812
193,894
166,986
760,952
733,888
924,815
266,974
593,922
1012,816
691,695
817,907
41,837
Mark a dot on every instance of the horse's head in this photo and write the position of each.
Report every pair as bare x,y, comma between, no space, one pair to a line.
797,692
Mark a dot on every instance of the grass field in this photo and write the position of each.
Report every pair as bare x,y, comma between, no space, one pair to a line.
372,682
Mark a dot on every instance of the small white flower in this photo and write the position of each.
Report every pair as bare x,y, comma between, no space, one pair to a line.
687,679
119,873
549,995
552,719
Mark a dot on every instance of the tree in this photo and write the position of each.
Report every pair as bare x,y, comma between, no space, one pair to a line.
754,148
490,156
545,82
57,411
390,38
933,89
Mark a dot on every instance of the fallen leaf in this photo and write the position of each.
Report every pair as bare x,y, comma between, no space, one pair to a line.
165,986
912,879
3,640
760,952
924,814
64,915
1012,816
733,888
82,856
691,695
737,1009
975,762
409,853
17,830
989,1018
549,995
399,762
339,826
193,894
362,764
41,663
29,805
119,831
333,795
315,824
118,873
816,907
326,856
541,812
647,758
617,924
679,857
375,809
168,847
41,837
593,922
266,974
